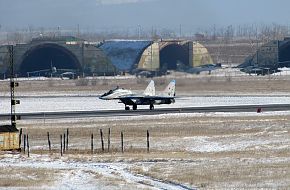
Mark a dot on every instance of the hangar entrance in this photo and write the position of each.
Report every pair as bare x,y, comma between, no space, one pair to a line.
284,56
45,59
173,56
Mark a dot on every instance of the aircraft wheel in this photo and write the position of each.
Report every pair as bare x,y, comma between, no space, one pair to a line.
127,108
134,107
151,107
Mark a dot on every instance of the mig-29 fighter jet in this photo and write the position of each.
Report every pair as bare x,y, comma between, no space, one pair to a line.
148,97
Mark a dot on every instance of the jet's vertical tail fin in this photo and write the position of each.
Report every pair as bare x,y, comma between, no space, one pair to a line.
170,89
150,90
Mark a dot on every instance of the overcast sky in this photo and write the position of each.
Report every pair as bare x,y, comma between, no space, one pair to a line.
146,13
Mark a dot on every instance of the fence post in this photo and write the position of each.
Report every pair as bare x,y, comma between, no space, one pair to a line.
109,141
92,143
24,143
27,145
48,139
102,140
20,136
67,139
64,143
148,145
60,145
122,141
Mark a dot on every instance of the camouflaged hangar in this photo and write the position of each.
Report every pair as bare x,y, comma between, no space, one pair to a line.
269,57
44,55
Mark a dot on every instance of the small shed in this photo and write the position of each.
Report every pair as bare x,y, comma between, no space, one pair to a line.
9,138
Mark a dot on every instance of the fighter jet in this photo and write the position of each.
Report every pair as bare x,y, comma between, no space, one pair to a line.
199,69
260,70
148,97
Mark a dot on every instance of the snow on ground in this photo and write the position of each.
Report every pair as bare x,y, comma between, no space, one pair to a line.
238,143
87,175
40,78
118,174
58,104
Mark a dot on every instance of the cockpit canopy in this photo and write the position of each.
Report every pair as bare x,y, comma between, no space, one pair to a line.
112,91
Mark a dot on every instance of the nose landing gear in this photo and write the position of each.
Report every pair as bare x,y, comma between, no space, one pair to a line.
151,107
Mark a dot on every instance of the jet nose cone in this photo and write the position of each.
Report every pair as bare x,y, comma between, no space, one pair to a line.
102,97
105,97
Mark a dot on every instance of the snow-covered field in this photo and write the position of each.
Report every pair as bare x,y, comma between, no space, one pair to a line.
187,151
84,175
62,103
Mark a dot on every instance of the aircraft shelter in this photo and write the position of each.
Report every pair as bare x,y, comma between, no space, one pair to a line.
68,53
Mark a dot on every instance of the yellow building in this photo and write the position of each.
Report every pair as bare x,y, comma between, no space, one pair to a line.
9,138
169,54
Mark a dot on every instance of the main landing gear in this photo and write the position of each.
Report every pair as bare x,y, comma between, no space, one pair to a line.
135,107
128,108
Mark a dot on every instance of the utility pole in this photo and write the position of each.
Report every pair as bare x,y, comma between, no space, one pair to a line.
13,84
257,46
139,31
78,31
180,31
151,56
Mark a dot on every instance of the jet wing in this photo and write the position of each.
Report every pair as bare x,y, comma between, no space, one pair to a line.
131,100
147,100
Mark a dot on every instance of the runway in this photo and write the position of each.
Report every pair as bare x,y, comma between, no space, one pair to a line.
112,113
